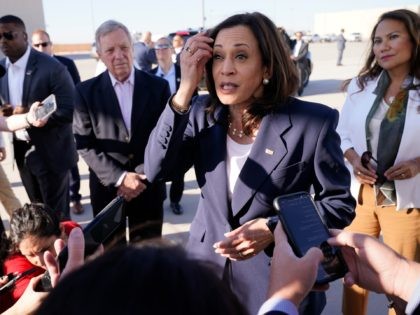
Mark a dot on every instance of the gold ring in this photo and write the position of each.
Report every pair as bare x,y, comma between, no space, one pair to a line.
402,175
188,49
359,172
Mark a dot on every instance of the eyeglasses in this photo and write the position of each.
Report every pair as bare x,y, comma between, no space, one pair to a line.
44,44
366,157
7,35
162,46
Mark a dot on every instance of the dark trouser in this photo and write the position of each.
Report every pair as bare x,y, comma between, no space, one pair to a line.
145,212
48,187
177,188
75,185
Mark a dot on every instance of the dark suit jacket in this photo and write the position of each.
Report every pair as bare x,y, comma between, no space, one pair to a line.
295,148
53,144
144,56
101,136
71,67
303,52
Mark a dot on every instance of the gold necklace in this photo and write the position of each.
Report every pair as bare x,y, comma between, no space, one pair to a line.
235,132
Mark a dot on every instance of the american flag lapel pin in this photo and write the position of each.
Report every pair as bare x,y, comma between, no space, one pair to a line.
269,151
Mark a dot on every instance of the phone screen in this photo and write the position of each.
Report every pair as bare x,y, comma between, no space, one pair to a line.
305,229
101,229
48,107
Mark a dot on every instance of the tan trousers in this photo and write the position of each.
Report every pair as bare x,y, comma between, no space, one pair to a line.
400,230
7,196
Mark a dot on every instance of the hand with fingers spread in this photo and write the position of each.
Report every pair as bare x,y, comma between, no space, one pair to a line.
246,241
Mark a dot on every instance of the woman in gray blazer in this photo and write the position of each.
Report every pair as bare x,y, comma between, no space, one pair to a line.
249,142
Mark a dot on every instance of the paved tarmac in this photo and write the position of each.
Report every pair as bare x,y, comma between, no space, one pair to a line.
323,87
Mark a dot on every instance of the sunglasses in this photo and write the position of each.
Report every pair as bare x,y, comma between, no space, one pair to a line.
7,35
44,44
365,160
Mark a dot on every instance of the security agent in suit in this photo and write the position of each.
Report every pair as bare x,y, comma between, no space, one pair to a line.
41,41
172,73
300,57
114,115
44,155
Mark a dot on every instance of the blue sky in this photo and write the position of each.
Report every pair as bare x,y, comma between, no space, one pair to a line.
75,21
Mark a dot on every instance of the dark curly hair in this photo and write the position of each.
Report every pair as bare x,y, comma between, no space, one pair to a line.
275,56
35,219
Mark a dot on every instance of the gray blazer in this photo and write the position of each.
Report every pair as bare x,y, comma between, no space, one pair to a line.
53,147
296,147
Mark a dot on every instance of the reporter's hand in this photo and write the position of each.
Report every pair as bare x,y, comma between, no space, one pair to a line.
76,251
30,300
375,266
291,277
31,117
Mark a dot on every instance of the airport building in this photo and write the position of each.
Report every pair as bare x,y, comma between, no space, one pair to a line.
357,21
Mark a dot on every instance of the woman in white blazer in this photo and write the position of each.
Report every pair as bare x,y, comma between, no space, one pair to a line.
380,128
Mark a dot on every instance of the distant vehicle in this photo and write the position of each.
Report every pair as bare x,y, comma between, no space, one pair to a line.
328,38
354,37
311,38
184,33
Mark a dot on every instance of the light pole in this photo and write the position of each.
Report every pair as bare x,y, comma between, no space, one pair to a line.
203,14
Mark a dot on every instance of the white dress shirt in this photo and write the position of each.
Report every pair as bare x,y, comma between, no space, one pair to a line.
16,75
170,77
124,91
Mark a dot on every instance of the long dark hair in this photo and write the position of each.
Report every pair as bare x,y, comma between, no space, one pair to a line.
275,56
411,21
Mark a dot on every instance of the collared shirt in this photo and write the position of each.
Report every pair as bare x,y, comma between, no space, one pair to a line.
16,75
124,91
278,304
297,48
170,77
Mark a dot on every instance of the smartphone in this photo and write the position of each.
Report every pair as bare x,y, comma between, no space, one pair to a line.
101,229
49,106
305,228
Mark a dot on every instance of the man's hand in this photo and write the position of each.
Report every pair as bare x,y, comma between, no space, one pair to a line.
6,110
132,186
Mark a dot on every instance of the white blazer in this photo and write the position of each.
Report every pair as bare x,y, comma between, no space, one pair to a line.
351,128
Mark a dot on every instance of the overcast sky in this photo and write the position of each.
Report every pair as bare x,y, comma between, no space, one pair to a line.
74,21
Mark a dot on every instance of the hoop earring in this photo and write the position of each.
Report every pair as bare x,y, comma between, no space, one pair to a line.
266,81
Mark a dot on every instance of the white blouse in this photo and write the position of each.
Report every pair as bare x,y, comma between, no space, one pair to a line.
235,159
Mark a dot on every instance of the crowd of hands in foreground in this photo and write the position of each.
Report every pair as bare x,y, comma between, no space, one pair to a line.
372,265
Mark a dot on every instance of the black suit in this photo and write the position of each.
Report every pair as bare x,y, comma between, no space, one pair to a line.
71,67
45,160
104,143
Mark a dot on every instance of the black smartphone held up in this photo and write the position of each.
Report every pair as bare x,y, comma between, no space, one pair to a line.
101,229
305,229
